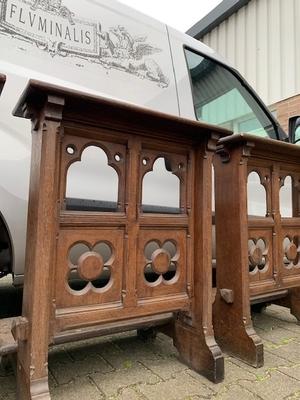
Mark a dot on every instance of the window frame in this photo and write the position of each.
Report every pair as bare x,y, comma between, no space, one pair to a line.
280,134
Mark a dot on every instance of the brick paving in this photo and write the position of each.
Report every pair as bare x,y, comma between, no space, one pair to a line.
122,367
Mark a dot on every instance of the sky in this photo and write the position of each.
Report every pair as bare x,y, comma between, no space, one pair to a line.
178,14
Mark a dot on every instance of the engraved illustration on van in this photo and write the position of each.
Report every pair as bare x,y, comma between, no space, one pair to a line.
54,28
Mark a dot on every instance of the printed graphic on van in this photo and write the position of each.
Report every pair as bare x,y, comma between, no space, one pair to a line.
54,28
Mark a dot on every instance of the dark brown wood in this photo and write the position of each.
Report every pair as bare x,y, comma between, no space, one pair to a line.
132,138
8,345
232,320
253,273
2,82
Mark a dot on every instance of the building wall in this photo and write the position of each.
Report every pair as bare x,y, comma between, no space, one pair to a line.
286,109
262,40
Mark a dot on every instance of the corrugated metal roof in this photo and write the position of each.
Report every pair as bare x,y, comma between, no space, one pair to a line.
216,17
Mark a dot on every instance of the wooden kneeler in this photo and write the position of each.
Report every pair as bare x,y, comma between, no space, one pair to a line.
64,124
258,258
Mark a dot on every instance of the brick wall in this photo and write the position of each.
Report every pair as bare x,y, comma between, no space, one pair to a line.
286,109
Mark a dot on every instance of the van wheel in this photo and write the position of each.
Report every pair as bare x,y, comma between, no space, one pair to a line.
5,363
147,334
5,259
258,308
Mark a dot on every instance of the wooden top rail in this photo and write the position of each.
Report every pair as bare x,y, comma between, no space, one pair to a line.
112,112
262,147
2,82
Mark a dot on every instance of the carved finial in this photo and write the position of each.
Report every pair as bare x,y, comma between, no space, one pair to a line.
20,329
227,295
212,141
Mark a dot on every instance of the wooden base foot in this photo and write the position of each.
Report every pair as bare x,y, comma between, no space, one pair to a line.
199,352
292,301
239,341
31,389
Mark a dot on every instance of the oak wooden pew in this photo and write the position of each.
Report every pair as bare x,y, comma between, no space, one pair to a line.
257,257
64,124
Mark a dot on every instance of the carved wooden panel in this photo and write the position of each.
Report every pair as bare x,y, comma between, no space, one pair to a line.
260,254
283,243
289,254
162,263
76,279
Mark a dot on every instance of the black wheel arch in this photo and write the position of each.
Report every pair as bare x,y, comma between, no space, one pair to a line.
6,249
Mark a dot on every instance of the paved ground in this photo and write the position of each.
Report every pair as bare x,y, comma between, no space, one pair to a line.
122,367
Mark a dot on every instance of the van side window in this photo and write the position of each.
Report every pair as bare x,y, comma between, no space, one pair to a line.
221,99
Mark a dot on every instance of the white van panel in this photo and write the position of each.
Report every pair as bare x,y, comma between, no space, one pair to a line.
101,47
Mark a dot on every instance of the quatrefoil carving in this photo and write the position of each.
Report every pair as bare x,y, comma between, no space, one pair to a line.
257,254
161,262
291,250
90,267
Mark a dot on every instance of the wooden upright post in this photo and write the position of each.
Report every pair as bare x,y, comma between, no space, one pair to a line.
258,256
195,340
232,319
34,337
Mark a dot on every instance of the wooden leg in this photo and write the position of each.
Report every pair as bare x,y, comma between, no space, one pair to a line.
32,371
200,352
231,312
292,301
31,389
33,331
193,334
295,303
234,332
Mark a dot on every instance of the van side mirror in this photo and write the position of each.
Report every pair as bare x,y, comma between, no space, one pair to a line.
294,129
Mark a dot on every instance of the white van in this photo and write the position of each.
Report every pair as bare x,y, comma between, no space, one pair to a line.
106,48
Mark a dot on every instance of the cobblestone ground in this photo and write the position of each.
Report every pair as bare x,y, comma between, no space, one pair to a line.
122,367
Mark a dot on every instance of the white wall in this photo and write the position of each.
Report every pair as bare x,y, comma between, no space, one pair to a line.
262,40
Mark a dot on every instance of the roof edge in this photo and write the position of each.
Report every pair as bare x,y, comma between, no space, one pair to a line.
216,17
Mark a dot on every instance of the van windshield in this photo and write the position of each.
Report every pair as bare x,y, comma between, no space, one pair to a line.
221,99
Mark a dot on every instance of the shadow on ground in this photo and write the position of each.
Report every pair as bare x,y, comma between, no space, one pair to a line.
10,299
122,367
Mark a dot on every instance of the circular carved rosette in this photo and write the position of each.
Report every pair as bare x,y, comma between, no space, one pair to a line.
256,256
90,266
291,252
161,261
